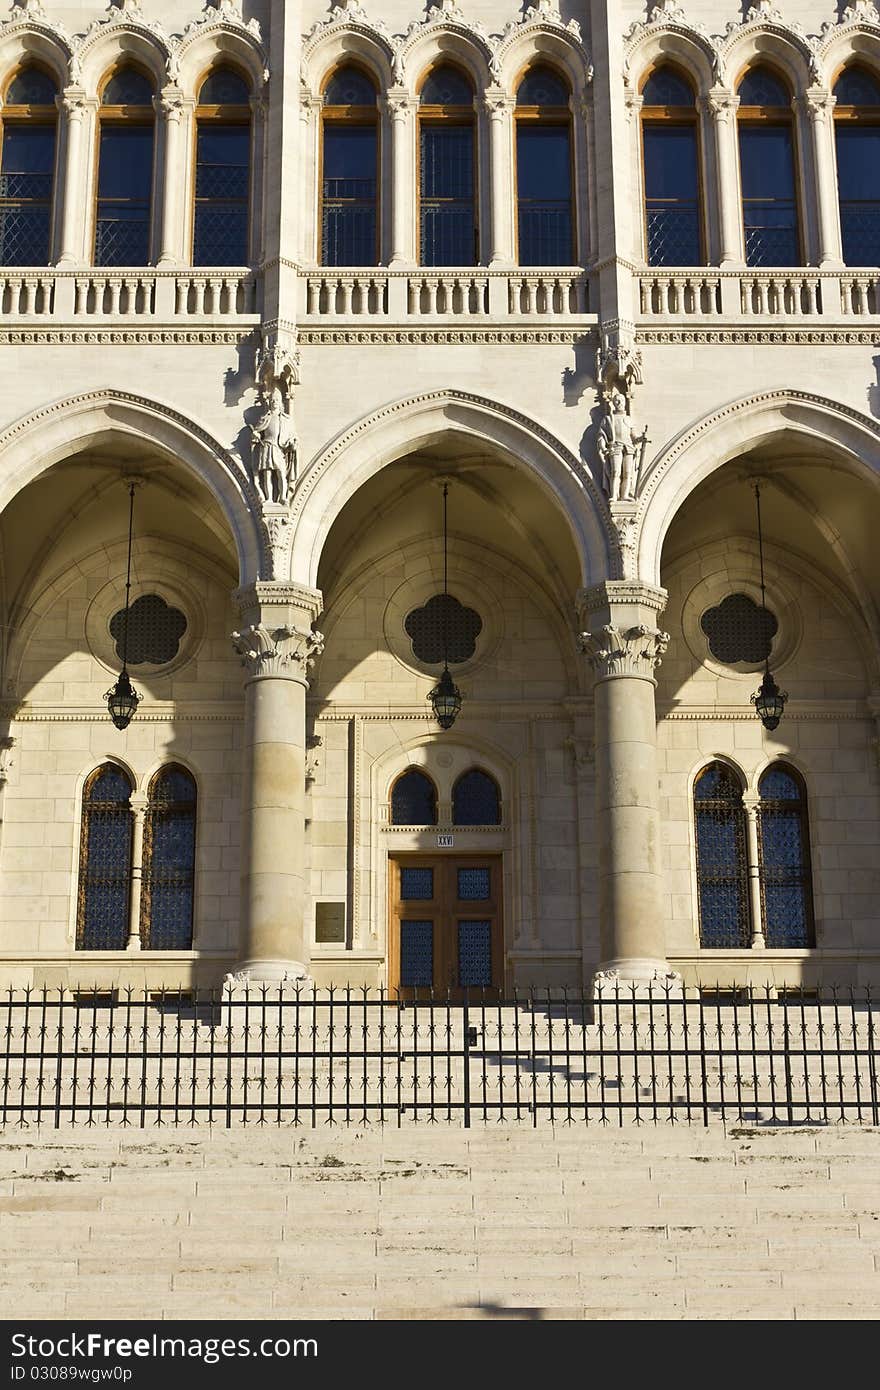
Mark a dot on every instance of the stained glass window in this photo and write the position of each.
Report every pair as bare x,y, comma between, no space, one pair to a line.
104,891
223,171
154,631
31,87
474,885
766,157
125,172
722,862
443,626
476,799
447,210
27,168
857,137
475,955
224,87
786,888
541,86
414,799
739,629
446,86
666,87
350,86
416,883
169,862
760,87
416,954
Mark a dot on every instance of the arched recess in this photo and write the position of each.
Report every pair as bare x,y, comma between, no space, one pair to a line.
852,441
686,49
337,44
35,40
534,44
438,43
55,431
214,45
359,452
766,42
116,42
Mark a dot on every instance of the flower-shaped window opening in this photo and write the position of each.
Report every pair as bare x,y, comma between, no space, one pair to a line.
154,631
739,629
443,617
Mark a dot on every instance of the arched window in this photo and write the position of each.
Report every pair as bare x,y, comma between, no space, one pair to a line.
543,169
104,894
670,152
169,862
414,799
349,165
27,168
447,170
125,170
857,137
784,848
476,799
223,170
722,861
767,170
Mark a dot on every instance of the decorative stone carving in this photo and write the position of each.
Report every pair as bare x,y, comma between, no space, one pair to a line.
280,651
6,746
618,360
624,521
621,450
634,651
277,366
582,751
314,743
861,12
273,451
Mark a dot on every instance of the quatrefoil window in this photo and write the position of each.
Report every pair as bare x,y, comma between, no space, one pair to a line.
154,631
739,629
443,616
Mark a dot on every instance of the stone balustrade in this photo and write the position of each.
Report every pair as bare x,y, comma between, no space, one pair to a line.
68,296
453,294
759,294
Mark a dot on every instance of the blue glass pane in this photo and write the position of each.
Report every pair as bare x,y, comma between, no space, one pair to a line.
350,87
760,87
778,784
24,236
173,784
416,954
784,867
348,233
447,86
224,87
857,87
671,163
475,955
168,873
31,87
543,163
666,88
223,170
474,885
128,87
349,158
541,86
766,162
28,149
416,884
718,783
475,799
125,169
858,160
110,785
413,800
26,193
447,165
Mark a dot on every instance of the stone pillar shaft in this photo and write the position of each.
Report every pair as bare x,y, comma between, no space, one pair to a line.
624,645
76,109
820,105
402,112
499,108
277,646
173,112
139,813
723,107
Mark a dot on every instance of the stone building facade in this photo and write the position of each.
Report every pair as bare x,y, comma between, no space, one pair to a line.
394,188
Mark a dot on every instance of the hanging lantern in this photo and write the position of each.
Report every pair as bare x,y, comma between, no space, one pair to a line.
445,697
445,700
123,699
768,699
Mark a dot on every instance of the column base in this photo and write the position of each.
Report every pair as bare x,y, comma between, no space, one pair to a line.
647,977
253,973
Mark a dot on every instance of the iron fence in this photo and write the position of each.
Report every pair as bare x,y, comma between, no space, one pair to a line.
281,1056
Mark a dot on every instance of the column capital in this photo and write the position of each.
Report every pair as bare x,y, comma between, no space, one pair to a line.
75,104
283,652
818,103
620,636
171,103
721,103
496,103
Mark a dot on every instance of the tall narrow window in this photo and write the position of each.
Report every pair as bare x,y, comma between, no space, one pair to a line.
784,843
169,862
447,170
670,146
27,168
857,136
349,182
414,799
476,799
223,170
722,862
543,169
105,861
767,170
125,170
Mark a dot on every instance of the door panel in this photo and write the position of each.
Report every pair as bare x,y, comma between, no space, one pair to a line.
446,931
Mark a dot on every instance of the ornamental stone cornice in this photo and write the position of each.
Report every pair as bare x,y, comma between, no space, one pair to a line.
264,595
285,653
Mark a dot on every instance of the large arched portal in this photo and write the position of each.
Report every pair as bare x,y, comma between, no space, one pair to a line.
110,873
772,836
451,859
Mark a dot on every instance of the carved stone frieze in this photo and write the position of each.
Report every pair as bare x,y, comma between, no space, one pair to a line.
281,651
633,651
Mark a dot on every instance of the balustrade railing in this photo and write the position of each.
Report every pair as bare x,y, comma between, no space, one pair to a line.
71,295
759,294
445,294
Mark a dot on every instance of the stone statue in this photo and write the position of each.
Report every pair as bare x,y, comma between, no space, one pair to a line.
621,450
273,451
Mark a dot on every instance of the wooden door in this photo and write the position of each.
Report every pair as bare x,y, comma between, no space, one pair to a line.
446,931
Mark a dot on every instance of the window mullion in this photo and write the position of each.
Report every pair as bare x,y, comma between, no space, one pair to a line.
751,803
139,813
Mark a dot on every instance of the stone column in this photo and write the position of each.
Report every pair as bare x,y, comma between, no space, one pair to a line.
139,813
819,105
501,162
624,646
76,109
173,110
401,108
751,803
277,647
722,106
